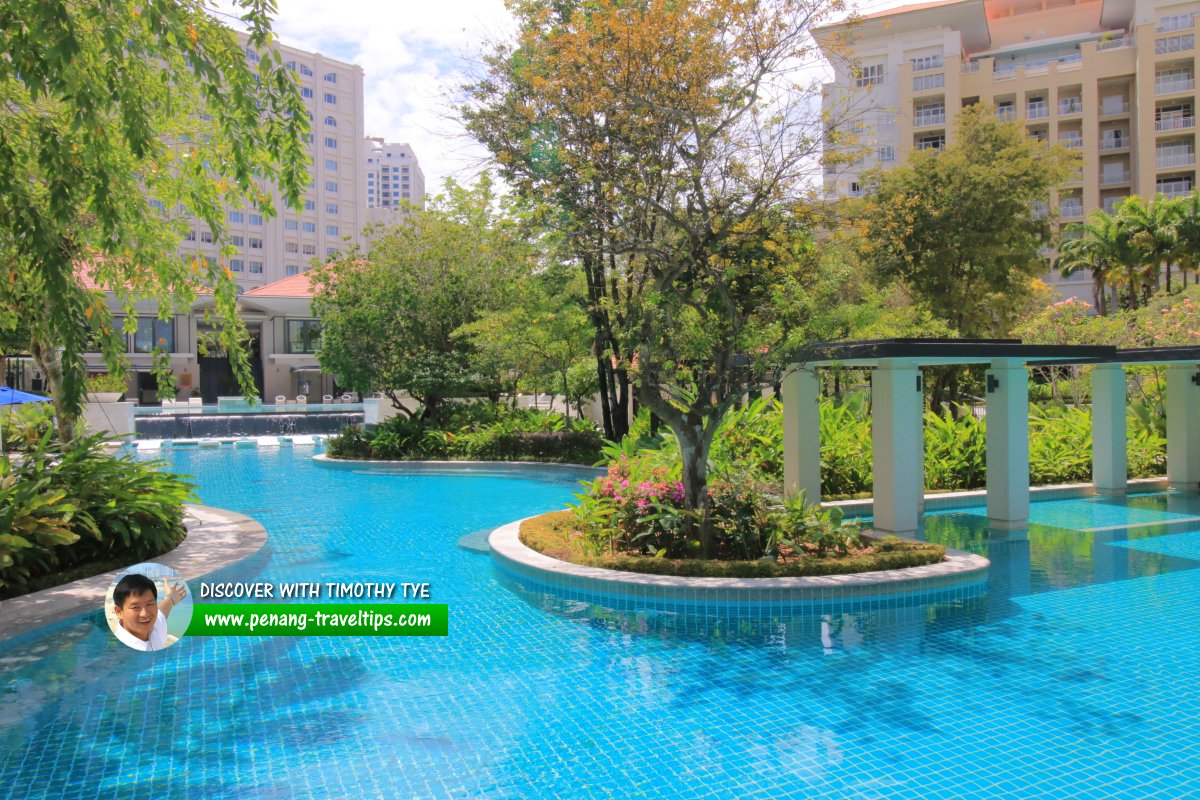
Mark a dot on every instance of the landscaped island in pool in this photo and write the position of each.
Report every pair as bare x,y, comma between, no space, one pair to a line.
1073,673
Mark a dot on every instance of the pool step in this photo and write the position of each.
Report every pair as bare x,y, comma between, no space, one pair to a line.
267,441
150,444
476,542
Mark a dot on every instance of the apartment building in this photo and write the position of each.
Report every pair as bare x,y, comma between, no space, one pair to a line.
268,249
394,179
1114,79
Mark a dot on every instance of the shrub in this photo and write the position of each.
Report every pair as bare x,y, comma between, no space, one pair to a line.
106,383
23,426
64,505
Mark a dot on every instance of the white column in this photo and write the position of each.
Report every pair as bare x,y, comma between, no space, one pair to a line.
899,449
1109,470
1007,390
1183,426
802,434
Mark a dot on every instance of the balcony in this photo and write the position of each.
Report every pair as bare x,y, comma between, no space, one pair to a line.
1037,111
1114,178
923,119
927,63
1110,205
970,66
1175,44
1006,113
1070,210
1114,44
1174,85
1070,106
1115,143
1180,22
1114,109
923,83
1178,159
1174,123
933,144
1071,141
1174,189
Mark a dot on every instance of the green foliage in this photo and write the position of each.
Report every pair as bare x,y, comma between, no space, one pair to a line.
958,227
474,431
106,383
112,107
67,504
393,321
955,450
23,426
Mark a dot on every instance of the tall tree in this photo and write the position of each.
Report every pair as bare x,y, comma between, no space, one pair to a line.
390,321
1150,226
1100,246
684,133
958,227
1187,234
122,119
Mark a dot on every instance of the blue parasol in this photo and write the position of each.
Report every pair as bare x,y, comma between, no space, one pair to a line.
12,397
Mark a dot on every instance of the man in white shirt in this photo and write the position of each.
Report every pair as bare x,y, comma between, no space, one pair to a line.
141,619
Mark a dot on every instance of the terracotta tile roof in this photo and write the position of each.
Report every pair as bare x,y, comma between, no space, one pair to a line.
291,286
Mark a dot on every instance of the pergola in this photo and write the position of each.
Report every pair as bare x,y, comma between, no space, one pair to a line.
897,407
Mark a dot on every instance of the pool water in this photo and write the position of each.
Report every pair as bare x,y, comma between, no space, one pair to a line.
1074,675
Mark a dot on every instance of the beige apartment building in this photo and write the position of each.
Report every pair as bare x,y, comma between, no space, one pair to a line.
394,180
1113,78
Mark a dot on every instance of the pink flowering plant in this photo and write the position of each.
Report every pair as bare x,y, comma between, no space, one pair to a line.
638,506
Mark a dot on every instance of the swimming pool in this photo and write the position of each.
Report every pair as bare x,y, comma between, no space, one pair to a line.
1075,675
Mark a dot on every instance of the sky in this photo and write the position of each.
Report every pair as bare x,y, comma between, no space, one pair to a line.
414,57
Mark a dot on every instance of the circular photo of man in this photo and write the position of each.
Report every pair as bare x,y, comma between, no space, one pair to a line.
148,607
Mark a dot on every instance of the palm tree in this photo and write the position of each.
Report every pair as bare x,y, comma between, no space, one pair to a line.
1104,248
1151,229
1187,233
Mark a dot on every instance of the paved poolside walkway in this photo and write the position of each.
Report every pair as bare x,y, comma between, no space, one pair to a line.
216,539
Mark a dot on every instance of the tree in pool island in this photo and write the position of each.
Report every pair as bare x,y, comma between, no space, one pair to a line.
675,139
124,121
391,320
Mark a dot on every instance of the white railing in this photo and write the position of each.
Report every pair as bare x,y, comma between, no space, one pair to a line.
1037,111
1168,160
1174,123
923,118
1006,114
1175,44
924,82
1110,205
1178,22
1070,210
1110,178
1004,73
1107,109
970,66
1175,190
936,144
1176,85
1115,44
1115,143
1070,106
1071,141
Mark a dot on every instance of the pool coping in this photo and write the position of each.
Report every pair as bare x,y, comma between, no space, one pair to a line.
959,569
216,538
336,463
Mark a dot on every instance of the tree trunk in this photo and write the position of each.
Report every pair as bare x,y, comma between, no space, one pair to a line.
47,361
694,444
605,405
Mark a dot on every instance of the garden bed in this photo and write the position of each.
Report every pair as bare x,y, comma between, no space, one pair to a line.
556,535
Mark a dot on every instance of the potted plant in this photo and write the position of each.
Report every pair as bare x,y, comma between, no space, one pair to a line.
105,388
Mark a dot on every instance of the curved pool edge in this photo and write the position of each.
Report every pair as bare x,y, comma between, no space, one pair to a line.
959,573
323,460
216,538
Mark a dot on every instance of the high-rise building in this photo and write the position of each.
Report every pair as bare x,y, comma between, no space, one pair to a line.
334,207
1114,79
393,179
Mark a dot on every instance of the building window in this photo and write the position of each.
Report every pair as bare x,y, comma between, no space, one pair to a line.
291,269
256,243
331,142
154,334
206,237
331,186
236,217
256,219
331,122
331,98
189,236
291,225
310,205
237,265
291,247
157,205
291,65
306,92
869,75
331,208
886,153
927,62
331,164
238,241
303,335
310,249
256,267
331,230
331,77
310,227
305,70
